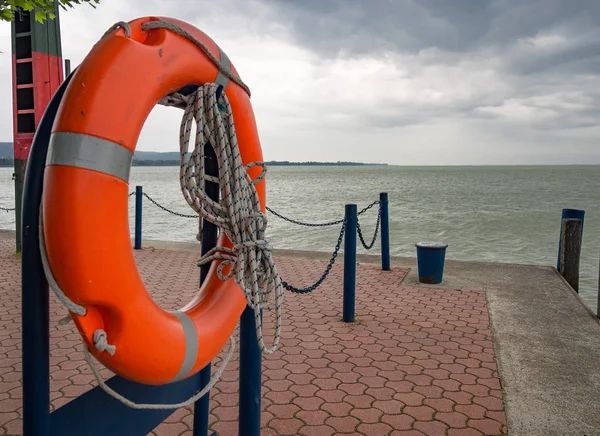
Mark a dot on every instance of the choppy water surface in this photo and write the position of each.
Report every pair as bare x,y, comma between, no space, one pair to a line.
504,214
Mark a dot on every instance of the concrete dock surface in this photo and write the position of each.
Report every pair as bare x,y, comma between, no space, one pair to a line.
495,349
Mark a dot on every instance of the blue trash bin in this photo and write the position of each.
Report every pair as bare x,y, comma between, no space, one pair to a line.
430,261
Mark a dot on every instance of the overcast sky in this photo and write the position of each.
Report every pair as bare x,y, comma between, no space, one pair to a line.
399,81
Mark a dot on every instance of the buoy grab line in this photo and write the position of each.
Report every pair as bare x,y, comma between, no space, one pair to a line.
237,213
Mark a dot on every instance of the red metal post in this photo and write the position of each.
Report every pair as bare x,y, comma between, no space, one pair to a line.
37,72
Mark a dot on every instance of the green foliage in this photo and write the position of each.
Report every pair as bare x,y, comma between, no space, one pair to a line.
43,9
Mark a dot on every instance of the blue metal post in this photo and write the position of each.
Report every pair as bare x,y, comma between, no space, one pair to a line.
250,376
138,217
385,232
568,213
209,241
34,287
350,263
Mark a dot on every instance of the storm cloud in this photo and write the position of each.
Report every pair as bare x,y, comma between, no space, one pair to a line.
397,81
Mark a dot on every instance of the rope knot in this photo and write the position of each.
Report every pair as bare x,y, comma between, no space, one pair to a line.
101,342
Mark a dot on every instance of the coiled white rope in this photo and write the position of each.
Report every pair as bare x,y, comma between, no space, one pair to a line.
237,213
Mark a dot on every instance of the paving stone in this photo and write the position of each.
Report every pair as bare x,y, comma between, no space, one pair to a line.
486,426
399,422
338,409
289,426
308,403
420,413
313,417
316,430
473,411
431,428
344,424
379,428
453,419
371,415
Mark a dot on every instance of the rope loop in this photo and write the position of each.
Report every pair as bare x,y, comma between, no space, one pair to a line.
262,173
119,25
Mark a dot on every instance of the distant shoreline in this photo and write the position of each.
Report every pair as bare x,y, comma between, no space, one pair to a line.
169,163
148,163
8,163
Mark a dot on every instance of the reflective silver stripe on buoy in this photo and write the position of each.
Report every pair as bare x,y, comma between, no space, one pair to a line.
90,152
222,79
191,345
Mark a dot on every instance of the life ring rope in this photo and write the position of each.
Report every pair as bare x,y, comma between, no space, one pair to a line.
160,24
156,406
237,213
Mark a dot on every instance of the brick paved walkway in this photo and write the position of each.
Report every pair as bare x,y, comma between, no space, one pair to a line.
418,361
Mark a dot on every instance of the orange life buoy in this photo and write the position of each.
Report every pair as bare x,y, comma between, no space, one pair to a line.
85,202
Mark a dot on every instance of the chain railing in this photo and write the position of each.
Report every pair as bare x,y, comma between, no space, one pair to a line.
325,224
300,223
315,285
359,230
166,209
350,228
7,209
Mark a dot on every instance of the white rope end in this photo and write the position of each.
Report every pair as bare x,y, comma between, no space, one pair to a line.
101,342
65,320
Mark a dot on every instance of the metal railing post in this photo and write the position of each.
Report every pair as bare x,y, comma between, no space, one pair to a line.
350,263
250,376
138,217
385,232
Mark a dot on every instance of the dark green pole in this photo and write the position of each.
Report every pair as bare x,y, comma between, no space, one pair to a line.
37,74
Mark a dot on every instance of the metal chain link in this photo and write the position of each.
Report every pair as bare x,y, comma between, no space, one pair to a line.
330,223
168,210
300,223
315,285
368,207
7,209
360,235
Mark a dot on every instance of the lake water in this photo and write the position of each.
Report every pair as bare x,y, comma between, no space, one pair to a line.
504,214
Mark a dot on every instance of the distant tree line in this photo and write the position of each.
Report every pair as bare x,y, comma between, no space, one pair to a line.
168,163
313,163
8,162
154,163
